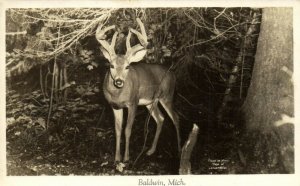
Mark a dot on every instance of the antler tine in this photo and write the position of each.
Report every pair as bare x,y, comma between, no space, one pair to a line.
142,39
128,41
141,36
100,36
100,33
113,41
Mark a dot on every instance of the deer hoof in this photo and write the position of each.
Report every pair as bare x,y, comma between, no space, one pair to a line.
116,162
150,152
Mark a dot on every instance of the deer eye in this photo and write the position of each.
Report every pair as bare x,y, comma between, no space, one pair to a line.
111,66
127,67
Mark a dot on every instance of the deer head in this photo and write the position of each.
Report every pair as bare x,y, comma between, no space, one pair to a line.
120,64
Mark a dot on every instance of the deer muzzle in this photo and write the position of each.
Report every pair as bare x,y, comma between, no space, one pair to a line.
119,83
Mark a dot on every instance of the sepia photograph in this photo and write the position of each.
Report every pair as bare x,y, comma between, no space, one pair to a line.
149,91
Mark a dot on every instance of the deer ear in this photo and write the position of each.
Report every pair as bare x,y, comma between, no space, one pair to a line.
138,56
106,54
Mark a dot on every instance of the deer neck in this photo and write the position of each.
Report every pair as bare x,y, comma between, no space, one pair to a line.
121,97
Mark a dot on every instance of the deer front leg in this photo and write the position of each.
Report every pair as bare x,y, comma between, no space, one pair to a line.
118,128
130,119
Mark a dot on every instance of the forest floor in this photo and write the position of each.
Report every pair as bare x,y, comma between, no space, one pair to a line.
80,140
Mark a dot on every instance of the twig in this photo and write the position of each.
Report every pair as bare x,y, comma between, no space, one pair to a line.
41,81
36,101
51,96
215,19
52,90
16,33
217,36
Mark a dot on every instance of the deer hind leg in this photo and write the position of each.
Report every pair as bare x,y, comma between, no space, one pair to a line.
168,106
159,119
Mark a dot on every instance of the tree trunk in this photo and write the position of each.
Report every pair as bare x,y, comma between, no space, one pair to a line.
185,164
270,95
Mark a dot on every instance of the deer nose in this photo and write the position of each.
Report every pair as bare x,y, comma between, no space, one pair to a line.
119,83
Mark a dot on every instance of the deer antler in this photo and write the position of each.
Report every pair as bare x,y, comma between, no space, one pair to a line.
100,36
141,36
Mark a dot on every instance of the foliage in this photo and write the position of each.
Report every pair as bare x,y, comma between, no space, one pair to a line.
207,37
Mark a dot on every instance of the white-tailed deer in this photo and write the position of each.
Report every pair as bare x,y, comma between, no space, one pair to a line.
127,85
